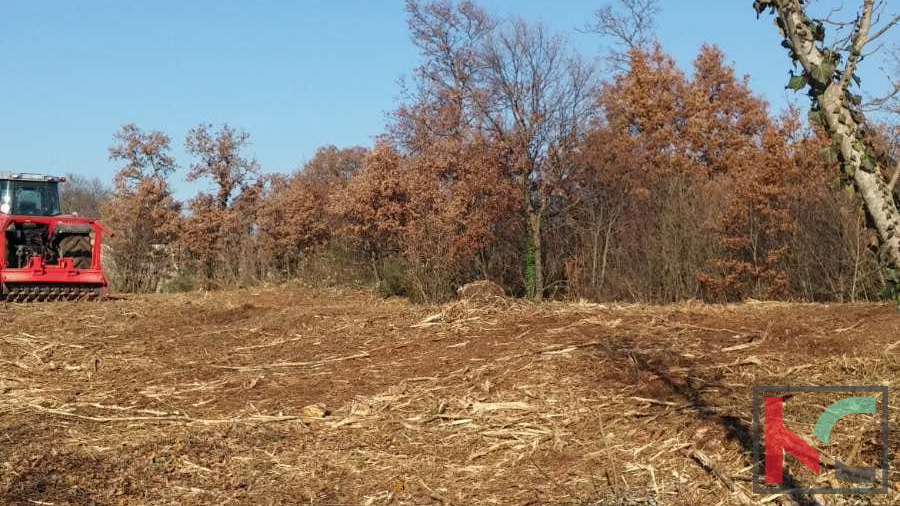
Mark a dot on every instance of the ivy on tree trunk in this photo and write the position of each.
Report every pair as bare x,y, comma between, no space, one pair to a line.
828,71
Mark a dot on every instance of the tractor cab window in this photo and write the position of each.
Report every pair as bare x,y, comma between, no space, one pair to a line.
29,198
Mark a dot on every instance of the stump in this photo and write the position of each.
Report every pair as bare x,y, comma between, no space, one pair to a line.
480,290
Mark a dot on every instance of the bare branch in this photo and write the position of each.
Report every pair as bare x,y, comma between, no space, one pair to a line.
877,49
890,101
860,39
630,26
890,24
877,103
828,19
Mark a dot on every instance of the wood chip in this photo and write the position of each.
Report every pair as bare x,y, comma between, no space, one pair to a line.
486,407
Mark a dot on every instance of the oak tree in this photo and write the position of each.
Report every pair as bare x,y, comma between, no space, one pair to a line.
218,232
142,213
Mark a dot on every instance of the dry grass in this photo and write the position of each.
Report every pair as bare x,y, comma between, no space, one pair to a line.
290,396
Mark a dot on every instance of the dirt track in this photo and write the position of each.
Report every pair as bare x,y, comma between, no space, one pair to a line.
204,399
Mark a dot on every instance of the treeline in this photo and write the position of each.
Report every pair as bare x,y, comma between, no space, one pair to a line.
511,159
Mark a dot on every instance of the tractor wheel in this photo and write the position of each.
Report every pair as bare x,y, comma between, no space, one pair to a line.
78,248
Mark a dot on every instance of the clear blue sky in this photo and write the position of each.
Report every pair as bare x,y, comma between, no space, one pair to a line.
294,74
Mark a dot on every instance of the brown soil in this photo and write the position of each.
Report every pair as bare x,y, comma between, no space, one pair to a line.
199,398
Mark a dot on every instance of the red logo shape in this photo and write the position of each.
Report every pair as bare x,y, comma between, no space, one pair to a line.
779,440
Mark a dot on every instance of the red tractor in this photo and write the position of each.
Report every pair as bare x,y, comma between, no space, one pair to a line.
47,255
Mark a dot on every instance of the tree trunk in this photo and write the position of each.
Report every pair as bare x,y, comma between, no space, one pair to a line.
534,228
871,187
606,243
841,123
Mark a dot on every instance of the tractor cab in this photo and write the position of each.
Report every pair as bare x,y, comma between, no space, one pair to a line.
30,194
44,254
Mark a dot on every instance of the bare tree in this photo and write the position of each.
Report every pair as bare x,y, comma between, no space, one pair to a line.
829,68
511,84
83,195
536,100
629,23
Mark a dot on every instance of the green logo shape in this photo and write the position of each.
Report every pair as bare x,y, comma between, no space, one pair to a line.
840,409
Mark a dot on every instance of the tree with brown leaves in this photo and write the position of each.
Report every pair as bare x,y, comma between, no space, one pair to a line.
146,155
647,195
730,133
682,191
218,233
144,216
294,216
374,208
219,159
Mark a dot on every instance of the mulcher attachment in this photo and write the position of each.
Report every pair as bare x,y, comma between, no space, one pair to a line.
26,292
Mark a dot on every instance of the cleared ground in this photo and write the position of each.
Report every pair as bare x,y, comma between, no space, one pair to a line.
297,396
